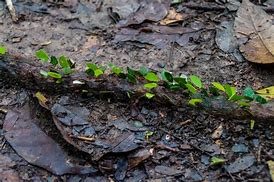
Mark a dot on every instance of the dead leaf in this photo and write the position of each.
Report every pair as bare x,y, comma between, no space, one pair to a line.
32,144
152,10
255,25
267,93
173,17
271,169
218,132
134,159
91,42
43,101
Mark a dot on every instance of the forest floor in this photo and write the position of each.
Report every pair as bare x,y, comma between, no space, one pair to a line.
173,144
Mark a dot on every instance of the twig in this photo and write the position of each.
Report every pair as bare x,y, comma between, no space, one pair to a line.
11,10
210,7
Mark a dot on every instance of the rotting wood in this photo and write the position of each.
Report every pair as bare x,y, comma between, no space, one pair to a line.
25,72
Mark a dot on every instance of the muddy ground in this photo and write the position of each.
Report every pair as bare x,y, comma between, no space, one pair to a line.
181,144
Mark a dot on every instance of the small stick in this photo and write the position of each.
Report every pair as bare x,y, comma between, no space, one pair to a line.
11,10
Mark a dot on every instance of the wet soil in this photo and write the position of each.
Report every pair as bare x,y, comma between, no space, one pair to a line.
181,140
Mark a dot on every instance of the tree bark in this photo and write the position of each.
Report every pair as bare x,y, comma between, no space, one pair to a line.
25,73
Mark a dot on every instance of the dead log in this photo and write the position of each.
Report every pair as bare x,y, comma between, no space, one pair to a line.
25,72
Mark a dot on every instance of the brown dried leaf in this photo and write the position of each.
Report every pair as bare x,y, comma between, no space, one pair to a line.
254,24
173,17
37,148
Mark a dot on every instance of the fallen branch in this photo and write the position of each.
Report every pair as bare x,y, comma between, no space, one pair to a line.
26,73
11,10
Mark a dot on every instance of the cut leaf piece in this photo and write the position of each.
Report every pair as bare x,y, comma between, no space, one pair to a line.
53,60
218,86
144,71
131,78
190,88
152,77
150,85
64,62
255,25
91,66
167,76
216,161
252,124
42,55
3,50
193,102
249,92
44,73
260,99
149,95
98,72
54,75
196,81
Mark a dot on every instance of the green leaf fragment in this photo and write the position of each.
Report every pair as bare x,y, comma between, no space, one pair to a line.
53,60
131,71
260,99
249,92
190,88
42,55
196,81
194,102
44,73
117,70
150,85
149,95
54,75
67,70
218,86
152,77
131,78
3,50
91,66
181,81
252,124
98,72
64,62
216,161
167,76
144,71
